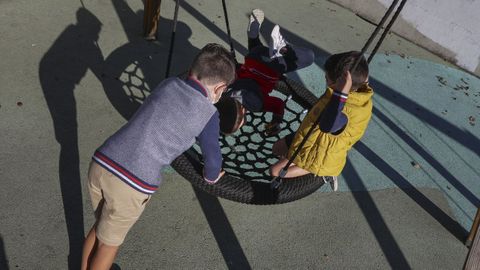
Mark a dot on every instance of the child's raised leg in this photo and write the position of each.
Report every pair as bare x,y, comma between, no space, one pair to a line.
287,57
277,107
253,31
274,127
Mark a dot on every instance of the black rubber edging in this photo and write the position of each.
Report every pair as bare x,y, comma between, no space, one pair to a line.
232,188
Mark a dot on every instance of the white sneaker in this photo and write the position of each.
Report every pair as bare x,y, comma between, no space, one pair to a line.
332,180
277,42
256,19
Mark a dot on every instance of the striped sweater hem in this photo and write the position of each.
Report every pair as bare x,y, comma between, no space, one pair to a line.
123,174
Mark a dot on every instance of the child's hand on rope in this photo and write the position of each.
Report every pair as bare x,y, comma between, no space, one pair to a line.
344,83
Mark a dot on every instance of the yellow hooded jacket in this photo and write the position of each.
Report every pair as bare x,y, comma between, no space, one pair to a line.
325,154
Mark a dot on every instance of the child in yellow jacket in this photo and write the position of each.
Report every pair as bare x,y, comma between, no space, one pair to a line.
345,109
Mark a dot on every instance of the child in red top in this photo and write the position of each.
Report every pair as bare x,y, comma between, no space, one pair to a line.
263,68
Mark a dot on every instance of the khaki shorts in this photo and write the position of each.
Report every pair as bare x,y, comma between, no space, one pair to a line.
117,206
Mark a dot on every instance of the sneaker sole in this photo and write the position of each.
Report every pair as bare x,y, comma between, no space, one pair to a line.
276,38
256,15
259,15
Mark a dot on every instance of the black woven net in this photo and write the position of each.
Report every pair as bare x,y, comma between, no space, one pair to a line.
247,153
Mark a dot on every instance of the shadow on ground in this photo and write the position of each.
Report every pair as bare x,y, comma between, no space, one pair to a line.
133,70
62,67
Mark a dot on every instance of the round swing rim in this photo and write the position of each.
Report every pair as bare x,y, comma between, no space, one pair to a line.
254,192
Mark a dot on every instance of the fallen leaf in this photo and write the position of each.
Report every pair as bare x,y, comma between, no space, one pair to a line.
415,165
471,120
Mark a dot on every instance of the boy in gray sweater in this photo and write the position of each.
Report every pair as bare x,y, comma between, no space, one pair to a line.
125,170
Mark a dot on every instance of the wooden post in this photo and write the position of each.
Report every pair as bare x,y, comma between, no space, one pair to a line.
474,229
151,15
473,258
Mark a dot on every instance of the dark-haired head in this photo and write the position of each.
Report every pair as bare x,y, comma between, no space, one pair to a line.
232,114
337,64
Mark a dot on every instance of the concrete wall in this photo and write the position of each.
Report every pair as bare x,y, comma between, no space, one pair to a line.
448,28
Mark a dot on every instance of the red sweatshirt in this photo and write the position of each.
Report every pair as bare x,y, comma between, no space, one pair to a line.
266,78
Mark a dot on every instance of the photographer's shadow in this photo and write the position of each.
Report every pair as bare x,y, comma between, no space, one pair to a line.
61,69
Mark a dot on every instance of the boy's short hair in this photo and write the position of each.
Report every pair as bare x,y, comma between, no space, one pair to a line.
231,114
214,64
336,64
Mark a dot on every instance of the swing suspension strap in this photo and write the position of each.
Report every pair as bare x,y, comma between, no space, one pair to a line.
375,32
277,181
172,39
387,29
232,50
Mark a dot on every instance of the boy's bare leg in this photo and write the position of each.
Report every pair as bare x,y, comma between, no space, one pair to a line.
293,170
103,257
88,248
97,255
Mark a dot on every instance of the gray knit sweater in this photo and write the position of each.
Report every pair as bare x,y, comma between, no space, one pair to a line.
163,128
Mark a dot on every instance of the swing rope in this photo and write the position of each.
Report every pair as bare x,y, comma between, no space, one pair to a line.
277,181
174,28
387,29
232,50
172,39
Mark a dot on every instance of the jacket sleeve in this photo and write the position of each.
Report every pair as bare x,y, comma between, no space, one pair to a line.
333,119
212,156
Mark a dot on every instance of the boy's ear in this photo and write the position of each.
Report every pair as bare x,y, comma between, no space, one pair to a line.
328,80
219,88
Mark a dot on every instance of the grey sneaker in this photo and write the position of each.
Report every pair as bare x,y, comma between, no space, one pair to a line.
332,180
256,19
277,42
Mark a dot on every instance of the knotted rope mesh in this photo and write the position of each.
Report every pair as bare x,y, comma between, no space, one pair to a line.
248,152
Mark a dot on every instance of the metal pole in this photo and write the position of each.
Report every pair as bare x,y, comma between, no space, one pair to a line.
374,34
232,50
172,38
385,32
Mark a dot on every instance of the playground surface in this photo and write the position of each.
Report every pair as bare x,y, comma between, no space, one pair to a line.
406,198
